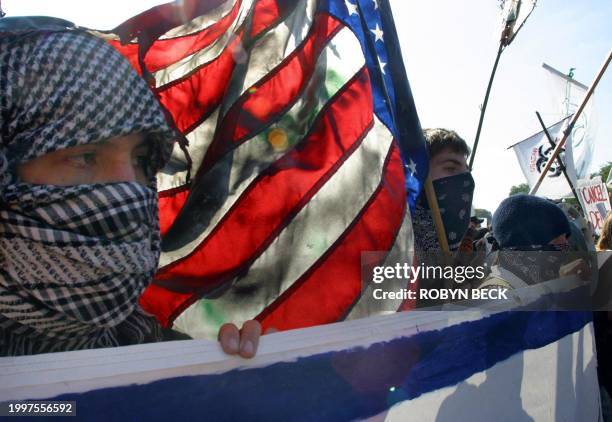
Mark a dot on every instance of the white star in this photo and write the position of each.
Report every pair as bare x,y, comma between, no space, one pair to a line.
382,66
378,33
352,8
375,4
412,167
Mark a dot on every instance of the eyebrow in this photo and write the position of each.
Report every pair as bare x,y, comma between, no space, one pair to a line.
452,161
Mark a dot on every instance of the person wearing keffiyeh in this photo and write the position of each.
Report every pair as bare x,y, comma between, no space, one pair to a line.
81,139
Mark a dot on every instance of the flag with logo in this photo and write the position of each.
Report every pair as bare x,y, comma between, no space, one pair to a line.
534,152
304,151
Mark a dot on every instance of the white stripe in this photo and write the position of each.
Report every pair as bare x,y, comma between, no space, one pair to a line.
248,160
184,66
271,49
316,227
402,252
201,22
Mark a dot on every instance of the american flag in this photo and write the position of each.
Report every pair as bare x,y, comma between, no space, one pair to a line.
305,150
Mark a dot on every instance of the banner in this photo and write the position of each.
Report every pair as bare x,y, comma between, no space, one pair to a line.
593,196
534,152
411,366
566,95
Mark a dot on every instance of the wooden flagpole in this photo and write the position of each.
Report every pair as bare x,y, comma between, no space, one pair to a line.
430,192
569,128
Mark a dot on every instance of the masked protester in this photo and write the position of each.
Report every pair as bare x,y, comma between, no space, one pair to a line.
529,232
454,187
81,139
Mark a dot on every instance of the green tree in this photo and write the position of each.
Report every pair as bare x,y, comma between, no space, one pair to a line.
522,188
604,171
482,213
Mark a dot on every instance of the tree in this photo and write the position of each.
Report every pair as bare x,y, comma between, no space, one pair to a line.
482,213
522,188
604,171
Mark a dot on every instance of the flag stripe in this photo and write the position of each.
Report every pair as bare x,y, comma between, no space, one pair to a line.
282,188
267,12
272,48
401,251
191,99
170,50
274,94
219,191
374,230
318,226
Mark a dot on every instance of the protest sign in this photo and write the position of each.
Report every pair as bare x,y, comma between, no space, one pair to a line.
595,201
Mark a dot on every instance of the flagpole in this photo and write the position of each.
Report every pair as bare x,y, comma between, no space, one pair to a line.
569,128
430,192
484,105
561,165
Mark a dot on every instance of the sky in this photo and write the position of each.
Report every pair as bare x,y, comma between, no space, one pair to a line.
449,47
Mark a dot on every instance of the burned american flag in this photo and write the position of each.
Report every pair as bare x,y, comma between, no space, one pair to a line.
305,151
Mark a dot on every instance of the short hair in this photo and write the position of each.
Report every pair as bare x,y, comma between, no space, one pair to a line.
440,139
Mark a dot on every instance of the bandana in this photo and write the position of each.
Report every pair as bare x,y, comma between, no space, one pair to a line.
454,196
73,260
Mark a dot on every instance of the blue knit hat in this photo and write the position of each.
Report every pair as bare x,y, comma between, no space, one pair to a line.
525,220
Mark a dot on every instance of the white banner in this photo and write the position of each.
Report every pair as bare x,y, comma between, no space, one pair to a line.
534,152
567,94
595,202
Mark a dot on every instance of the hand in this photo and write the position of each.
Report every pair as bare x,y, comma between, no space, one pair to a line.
243,342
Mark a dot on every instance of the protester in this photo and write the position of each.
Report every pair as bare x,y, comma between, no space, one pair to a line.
454,188
605,240
522,226
81,138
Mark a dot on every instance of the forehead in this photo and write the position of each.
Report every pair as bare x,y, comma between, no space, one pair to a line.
450,156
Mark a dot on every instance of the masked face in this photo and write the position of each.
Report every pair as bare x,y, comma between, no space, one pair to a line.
454,196
79,236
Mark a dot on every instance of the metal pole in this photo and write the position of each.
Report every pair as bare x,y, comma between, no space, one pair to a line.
484,105
569,128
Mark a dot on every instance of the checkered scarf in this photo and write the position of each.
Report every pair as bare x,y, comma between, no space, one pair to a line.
73,260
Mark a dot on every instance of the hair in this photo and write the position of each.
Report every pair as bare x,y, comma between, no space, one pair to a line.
605,241
440,139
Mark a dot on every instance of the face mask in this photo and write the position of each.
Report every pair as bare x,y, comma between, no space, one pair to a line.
74,261
454,196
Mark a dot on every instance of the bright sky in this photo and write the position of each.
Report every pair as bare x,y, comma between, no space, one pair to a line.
449,47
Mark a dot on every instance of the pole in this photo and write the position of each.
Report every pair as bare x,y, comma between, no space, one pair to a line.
569,128
559,161
437,217
484,105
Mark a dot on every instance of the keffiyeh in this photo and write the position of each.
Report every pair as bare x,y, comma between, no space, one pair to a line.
73,260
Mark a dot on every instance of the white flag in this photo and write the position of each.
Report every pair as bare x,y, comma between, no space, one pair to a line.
567,94
534,152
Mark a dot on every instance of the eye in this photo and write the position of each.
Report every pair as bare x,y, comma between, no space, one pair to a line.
142,162
83,160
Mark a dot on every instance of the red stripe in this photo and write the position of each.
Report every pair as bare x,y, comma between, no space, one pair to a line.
327,290
165,52
274,94
162,303
192,98
170,204
279,192
268,12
